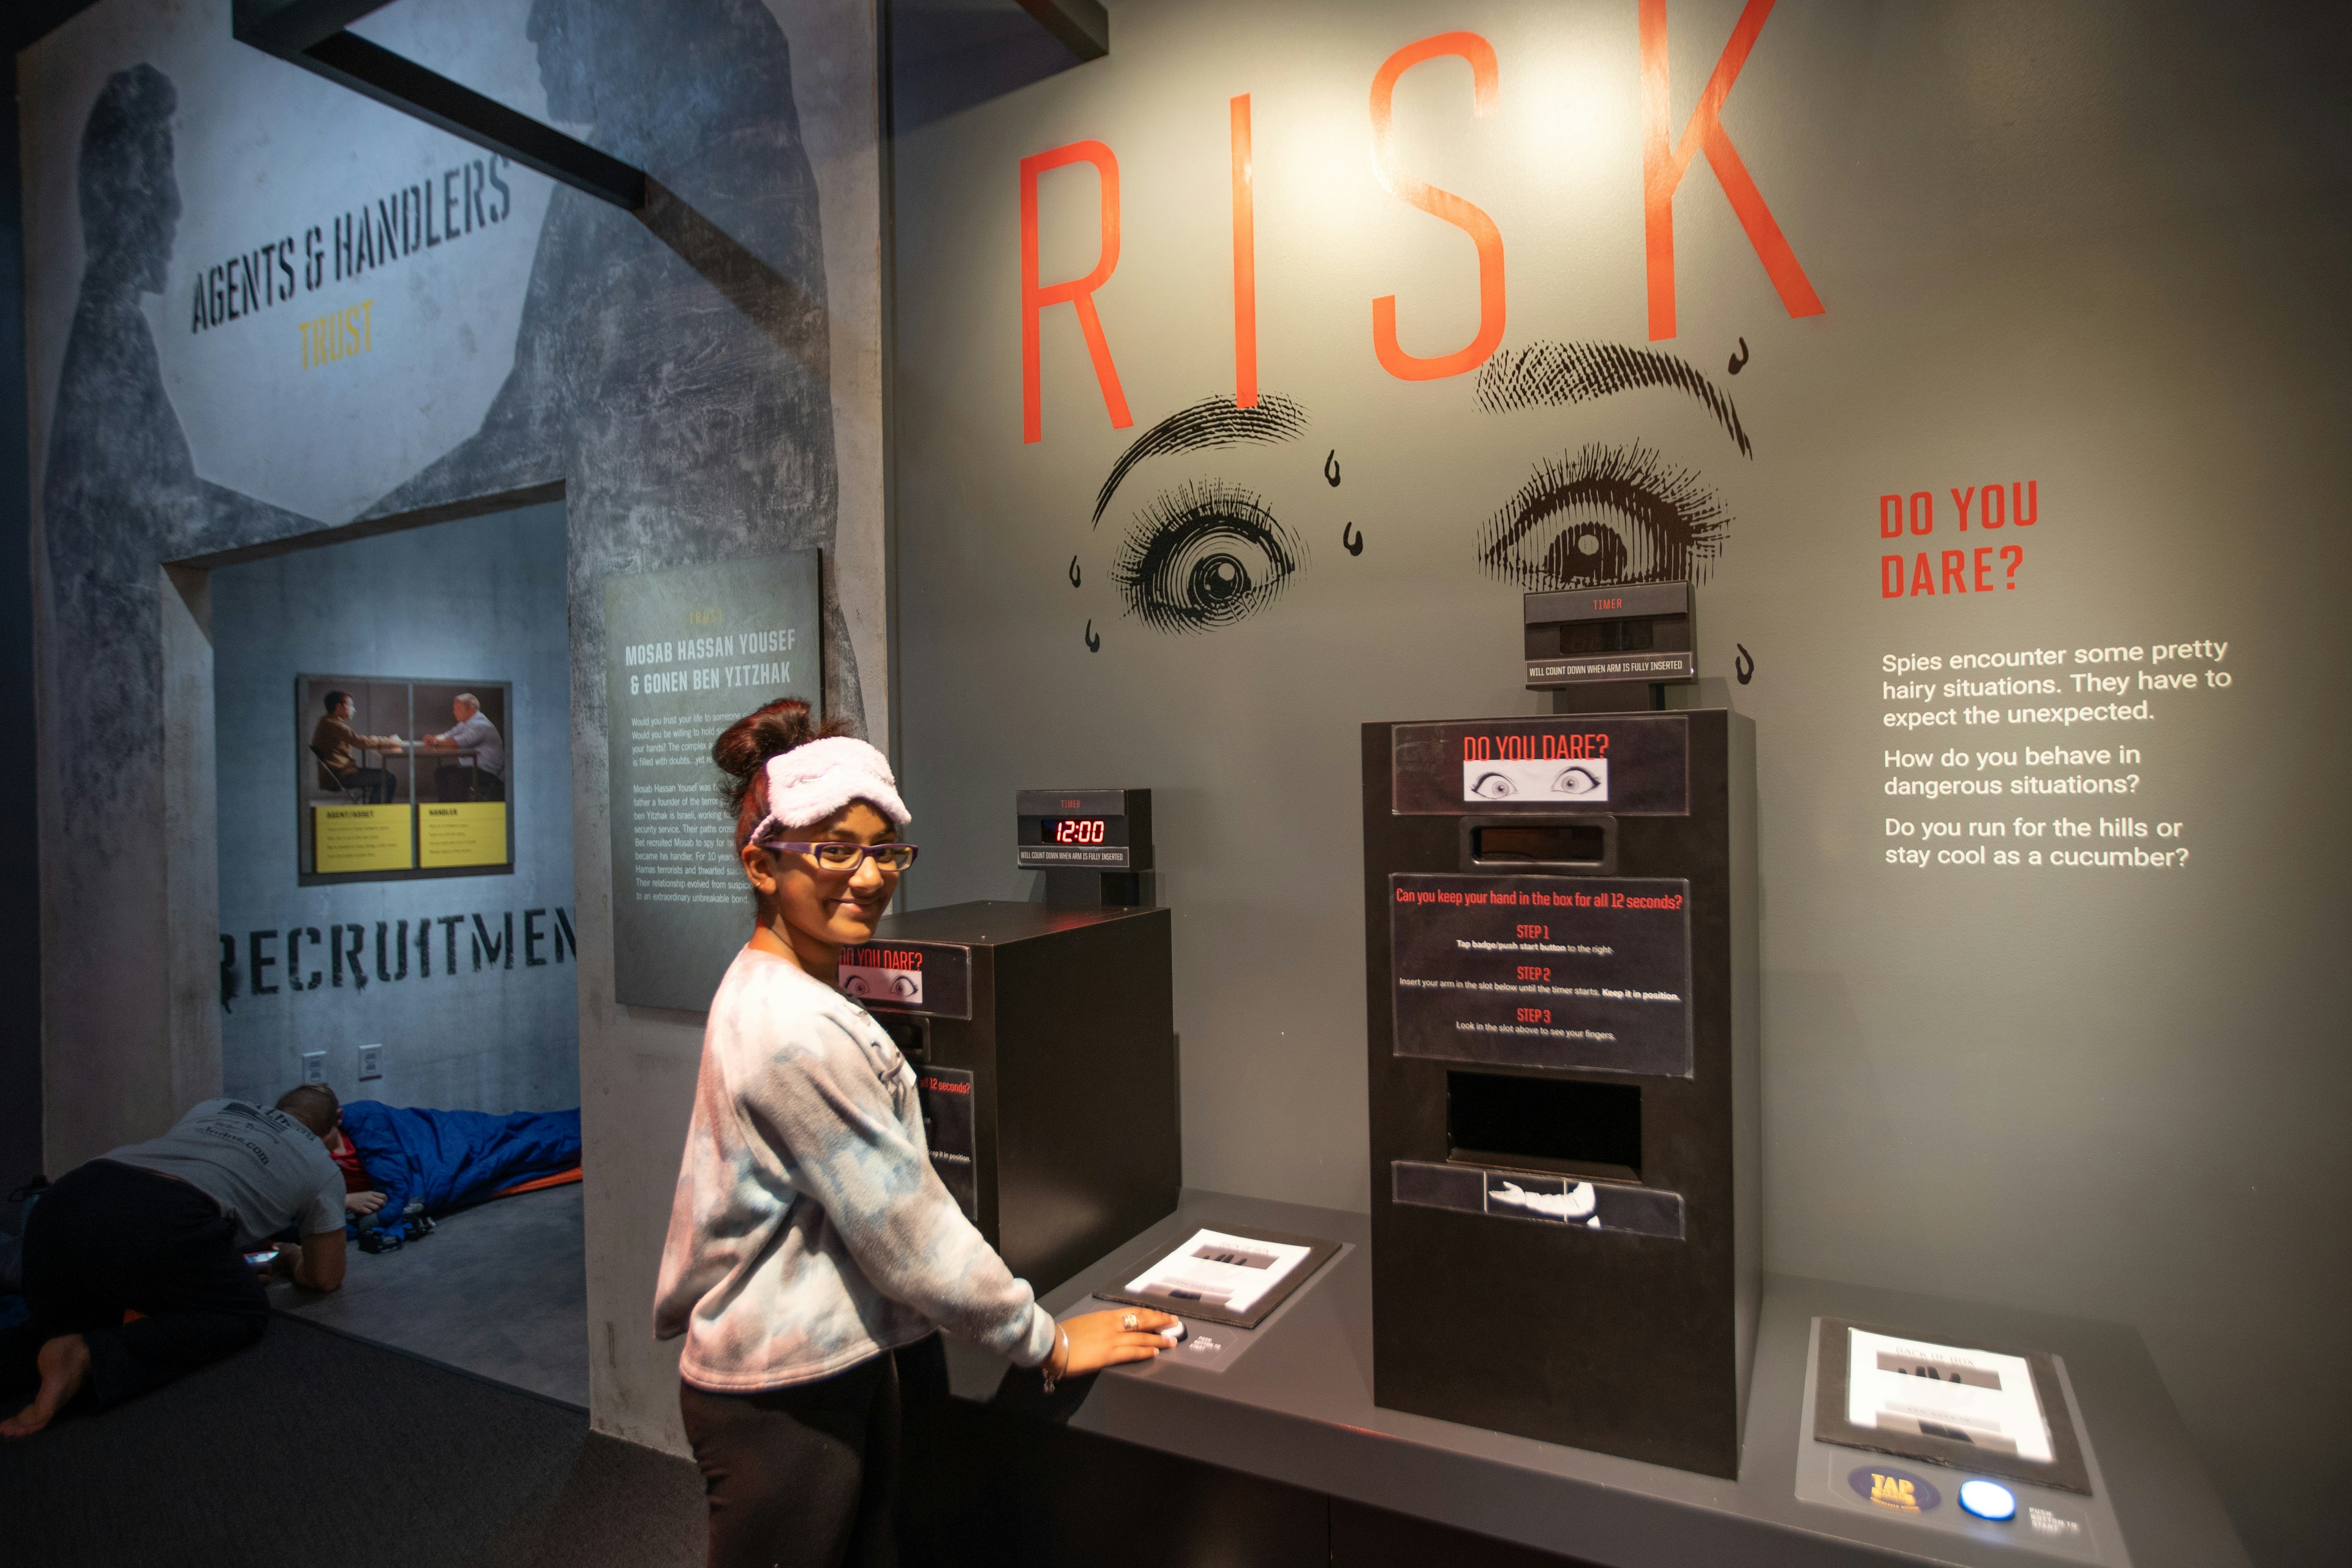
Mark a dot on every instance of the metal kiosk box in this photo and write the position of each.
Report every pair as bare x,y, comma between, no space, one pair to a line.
1043,1038
1559,949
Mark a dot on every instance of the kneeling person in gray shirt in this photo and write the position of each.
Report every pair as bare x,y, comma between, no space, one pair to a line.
160,1229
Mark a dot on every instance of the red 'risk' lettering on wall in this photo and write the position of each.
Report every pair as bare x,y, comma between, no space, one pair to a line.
1486,98
1664,163
1079,293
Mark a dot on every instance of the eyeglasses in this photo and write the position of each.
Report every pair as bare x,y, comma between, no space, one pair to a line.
834,855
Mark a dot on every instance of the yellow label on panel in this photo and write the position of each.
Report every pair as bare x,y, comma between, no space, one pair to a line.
360,837
463,833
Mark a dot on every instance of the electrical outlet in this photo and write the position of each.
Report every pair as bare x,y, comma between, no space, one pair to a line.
314,1066
370,1062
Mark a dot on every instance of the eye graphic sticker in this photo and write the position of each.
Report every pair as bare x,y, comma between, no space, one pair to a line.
1200,552
1203,552
1603,514
1585,779
1580,778
903,985
1203,555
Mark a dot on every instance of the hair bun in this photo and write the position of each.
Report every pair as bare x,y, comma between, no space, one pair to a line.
745,746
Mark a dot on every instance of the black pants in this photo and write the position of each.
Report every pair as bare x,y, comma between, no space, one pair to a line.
378,784
808,1477
468,783
106,1237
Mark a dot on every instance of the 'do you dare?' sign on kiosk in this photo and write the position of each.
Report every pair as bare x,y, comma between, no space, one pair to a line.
688,651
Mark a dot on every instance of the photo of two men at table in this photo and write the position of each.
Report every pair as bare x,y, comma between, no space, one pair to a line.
360,749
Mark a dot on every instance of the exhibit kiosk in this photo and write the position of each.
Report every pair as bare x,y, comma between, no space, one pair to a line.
1559,953
1043,1043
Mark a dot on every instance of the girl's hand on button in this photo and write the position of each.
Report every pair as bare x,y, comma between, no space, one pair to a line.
1098,1340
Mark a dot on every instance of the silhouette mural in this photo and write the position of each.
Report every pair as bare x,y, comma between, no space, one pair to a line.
672,367
119,491
670,373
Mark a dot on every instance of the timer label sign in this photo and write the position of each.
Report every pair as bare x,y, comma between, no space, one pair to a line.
1550,972
1083,830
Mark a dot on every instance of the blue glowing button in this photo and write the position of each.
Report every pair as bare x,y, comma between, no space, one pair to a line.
1988,1499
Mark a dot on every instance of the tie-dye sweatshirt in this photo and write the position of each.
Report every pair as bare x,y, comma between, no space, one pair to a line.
809,1231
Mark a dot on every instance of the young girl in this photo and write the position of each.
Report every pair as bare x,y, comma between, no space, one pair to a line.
810,1237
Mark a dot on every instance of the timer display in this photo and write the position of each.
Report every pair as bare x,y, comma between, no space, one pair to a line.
1106,830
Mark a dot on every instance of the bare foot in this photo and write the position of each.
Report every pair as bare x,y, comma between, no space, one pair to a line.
65,1363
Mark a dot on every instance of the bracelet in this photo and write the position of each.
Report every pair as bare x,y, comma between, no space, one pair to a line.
1061,1344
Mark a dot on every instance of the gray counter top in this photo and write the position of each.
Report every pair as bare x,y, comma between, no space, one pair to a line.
1293,1401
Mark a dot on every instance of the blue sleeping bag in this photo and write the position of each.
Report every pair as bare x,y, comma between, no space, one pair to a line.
447,1159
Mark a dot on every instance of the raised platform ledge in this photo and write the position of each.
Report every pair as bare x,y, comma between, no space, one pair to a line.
1297,1407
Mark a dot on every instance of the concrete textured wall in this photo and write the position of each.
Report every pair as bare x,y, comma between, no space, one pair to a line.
698,382
476,600
20,898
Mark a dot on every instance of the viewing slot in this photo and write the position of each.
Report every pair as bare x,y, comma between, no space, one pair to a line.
1547,1124
1582,844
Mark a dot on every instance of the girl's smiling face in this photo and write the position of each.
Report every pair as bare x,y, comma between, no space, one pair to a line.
815,906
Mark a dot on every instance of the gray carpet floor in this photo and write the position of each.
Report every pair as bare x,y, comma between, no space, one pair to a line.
314,1448
501,1289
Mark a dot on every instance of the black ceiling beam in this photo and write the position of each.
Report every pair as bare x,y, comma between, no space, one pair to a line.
287,28
1082,26
310,33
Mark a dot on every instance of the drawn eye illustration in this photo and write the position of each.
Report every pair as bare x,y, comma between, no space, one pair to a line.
902,986
1606,515
1493,786
1576,781
1203,555
855,985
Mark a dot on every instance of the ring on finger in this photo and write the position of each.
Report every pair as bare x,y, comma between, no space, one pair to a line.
1129,1322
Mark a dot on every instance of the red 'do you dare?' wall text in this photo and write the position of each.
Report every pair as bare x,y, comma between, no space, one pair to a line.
1533,748
1977,568
881,958
1667,157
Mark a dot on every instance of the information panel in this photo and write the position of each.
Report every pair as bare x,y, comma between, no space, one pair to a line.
347,839
945,1095
1556,972
402,777
688,651
461,833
